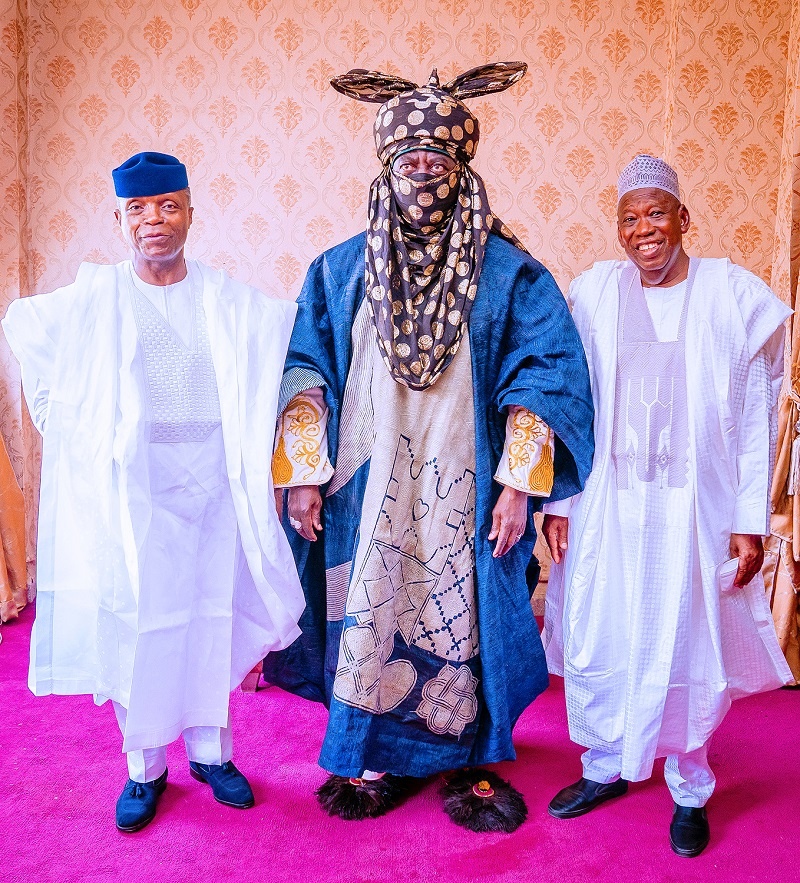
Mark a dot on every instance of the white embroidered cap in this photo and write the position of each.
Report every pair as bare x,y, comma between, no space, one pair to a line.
648,171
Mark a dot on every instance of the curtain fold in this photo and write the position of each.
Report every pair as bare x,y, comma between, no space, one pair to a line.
12,542
782,562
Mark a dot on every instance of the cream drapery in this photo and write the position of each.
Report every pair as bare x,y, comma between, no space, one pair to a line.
782,565
12,542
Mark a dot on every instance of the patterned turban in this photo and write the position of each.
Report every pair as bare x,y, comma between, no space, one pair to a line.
426,235
648,171
432,116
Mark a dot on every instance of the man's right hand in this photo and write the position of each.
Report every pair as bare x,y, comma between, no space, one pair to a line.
305,507
556,533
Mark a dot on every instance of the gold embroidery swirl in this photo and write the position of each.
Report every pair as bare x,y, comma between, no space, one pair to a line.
526,428
304,423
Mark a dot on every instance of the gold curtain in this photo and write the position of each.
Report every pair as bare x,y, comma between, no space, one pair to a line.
12,542
782,564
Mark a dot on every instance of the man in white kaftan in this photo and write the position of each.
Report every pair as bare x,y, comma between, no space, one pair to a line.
163,572
656,615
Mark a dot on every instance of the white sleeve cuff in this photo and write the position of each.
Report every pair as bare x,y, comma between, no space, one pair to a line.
750,519
560,507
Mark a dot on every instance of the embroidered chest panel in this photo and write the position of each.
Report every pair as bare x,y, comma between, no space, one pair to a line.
180,380
651,414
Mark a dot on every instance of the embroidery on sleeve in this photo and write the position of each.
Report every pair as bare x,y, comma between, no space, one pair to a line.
541,477
281,465
301,450
304,423
527,462
526,428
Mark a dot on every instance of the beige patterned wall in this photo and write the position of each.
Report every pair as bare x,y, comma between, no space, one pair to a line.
280,163
786,249
13,217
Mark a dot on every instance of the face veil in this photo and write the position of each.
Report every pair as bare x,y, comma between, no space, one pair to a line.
426,236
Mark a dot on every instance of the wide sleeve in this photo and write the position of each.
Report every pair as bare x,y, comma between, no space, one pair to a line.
308,362
319,350
301,442
37,396
756,447
527,461
575,302
763,316
32,328
543,369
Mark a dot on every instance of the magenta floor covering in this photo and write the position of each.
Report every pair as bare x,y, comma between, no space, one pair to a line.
62,771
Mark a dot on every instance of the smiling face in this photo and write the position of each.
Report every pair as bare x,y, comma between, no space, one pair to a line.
650,226
156,227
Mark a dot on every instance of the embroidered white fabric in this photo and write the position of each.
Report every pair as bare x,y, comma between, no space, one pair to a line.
301,442
651,653
527,436
181,384
648,171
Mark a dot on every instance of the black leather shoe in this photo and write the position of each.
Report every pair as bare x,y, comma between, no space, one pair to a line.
136,806
688,830
583,796
228,785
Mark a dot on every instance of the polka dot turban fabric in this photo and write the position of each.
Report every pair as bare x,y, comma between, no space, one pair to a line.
426,234
428,116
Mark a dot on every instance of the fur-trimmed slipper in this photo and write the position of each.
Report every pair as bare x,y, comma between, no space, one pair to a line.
481,801
355,799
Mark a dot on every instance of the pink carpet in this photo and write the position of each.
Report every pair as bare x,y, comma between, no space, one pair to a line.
63,771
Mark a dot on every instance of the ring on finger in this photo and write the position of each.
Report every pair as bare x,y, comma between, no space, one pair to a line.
295,523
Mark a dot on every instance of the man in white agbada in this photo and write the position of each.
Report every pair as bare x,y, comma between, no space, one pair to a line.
163,572
656,614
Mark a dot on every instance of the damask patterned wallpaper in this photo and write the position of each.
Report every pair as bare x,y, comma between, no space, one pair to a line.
280,163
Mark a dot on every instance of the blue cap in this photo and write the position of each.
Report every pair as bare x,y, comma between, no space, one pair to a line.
149,174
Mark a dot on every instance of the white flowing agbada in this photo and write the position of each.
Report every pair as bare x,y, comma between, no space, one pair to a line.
163,572
652,654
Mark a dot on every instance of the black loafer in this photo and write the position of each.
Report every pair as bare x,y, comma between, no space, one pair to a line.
688,830
228,785
584,796
136,806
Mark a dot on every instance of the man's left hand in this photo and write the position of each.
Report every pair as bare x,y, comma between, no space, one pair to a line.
749,549
509,519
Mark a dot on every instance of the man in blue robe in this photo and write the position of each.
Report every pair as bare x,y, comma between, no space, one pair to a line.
437,391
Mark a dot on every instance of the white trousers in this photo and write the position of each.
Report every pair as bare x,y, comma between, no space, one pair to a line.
211,745
688,776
